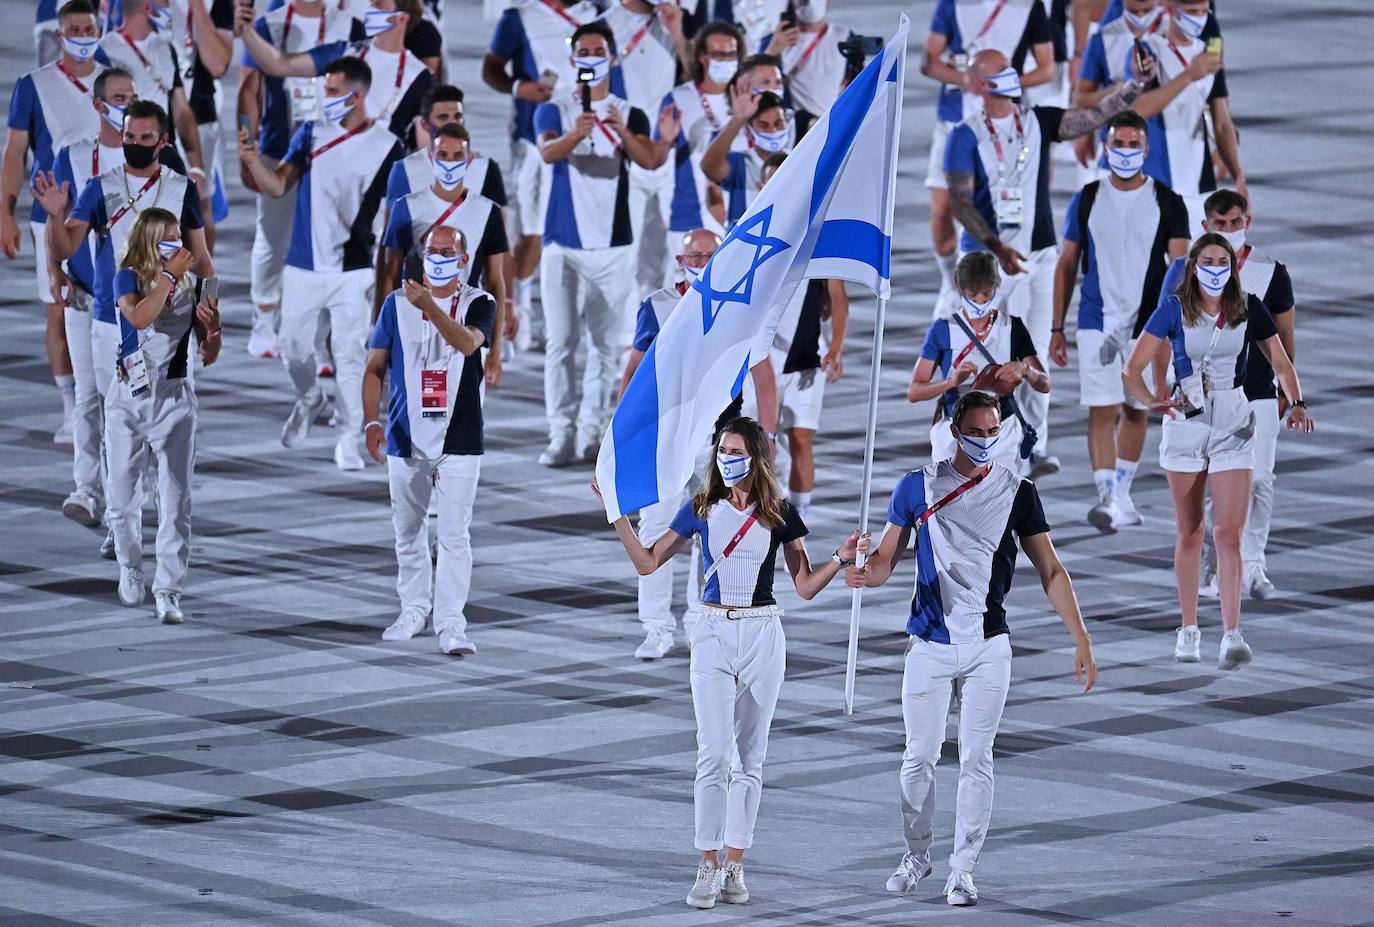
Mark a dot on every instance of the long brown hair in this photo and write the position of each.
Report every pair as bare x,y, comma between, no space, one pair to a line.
1232,299
764,491
140,252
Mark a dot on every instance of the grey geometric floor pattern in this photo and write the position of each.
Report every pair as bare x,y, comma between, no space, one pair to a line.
273,762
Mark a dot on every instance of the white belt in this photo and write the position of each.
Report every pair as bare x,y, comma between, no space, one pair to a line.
738,614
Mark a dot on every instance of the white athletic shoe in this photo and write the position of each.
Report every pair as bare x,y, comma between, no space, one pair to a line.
262,340
656,644
303,415
410,622
1258,583
1043,466
911,870
82,508
1126,514
131,589
706,890
559,453
346,456
1235,653
168,605
732,889
63,434
1188,648
107,548
959,890
452,641
1103,516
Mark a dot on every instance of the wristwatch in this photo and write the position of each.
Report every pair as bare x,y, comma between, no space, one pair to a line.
772,436
840,560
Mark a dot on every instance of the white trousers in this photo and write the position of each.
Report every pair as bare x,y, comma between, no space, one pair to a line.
648,189
440,587
1256,535
271,238
584,291
162,426
1031,299
86,414
983,669
344,298
104,350
737,670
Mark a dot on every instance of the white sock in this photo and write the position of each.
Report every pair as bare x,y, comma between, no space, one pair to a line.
524,293
66,386
945,264
801,501
1125,473
1106,483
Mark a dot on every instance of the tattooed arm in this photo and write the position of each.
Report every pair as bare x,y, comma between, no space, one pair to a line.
961,200
1083,119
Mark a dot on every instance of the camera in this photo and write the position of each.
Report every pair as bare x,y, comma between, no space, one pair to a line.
857,49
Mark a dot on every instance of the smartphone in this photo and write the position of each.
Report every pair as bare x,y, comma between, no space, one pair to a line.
209,291
1142,54
1214,46
245,126
549,78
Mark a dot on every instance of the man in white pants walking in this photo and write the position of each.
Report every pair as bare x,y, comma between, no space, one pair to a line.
433,435
968,513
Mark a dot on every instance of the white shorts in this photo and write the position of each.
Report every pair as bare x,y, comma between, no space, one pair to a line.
529,192
1221,438
40,263
935,169
800,396
1100,384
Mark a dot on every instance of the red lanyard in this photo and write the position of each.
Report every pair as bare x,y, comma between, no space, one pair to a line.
706,108
637,38
286,26
567,17
992,18
95,160
982,339
340,140
72,77
1240,258
141,58
400,66
739,535
615,142
1177,54
133,200
444,215
812,47
974,481
452,314
997,142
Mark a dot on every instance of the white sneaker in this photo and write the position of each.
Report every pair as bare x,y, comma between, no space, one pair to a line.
1188,648
1126,514
63,434
1235,653
959,890
451,641
168,605
656,644
1043,466
346,456
82,508
911,870
410,622
1258,583
1103,516
559,453
732,889
707,887
262,341
303,415
107,548
131,590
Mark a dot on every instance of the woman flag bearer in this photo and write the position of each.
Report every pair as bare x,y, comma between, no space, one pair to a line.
430,338
967,513
738,648
1210,324
952,344
150,410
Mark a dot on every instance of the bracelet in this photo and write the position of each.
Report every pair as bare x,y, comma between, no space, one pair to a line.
196,172
370,424
170,277
772,436
840,560
1299,404
515,88
1058,330
213,334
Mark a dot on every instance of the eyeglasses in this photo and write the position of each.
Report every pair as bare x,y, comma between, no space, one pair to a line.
697,256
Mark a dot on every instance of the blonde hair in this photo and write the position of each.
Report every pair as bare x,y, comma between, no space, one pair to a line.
1232,299
764,491
141,254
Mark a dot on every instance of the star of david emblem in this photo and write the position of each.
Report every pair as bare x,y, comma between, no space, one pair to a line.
751,232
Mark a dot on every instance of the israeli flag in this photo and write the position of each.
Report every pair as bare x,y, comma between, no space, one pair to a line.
827,212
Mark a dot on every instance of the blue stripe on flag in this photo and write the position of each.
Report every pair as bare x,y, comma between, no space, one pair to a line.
739,380
845,117
855,240
635,437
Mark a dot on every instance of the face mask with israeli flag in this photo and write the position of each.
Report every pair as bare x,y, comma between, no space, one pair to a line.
1213,279
1191,26
1005,83
732,469
168,248
978,450
600,67
1125,162
375,22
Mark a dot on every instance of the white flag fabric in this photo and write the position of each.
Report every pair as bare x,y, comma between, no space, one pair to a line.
826,212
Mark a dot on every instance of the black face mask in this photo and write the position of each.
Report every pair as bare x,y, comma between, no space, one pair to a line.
139,156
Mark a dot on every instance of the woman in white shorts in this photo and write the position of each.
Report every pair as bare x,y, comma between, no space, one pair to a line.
1211,325
949,348
738,649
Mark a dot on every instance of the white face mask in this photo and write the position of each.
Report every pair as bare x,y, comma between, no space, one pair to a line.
1191,26
160,17
771,142
600,67
336,109
1212,279
1005,83
732,469
1143,21
168,248
80,49
375,22
114,115
440,270
1125,162
1236,239
811,11
975,310
978,450
689,273
721,71
450,174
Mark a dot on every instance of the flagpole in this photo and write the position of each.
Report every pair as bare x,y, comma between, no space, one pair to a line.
870,434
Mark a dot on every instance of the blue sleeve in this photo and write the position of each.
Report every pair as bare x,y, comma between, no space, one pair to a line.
384,332
1172,278
646,326
686,522
943,21
937,340
667,102
509,38
908,500
1095,62
326,54
1167,320
961,150
23,105
398,234
547,118
261,28
298,152
125,283
397,184
1071,230
90,205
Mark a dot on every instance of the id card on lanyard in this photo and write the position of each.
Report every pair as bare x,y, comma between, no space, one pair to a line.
133,370
1009,203
434,381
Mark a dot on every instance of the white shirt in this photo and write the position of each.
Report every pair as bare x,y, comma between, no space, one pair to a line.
650,65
